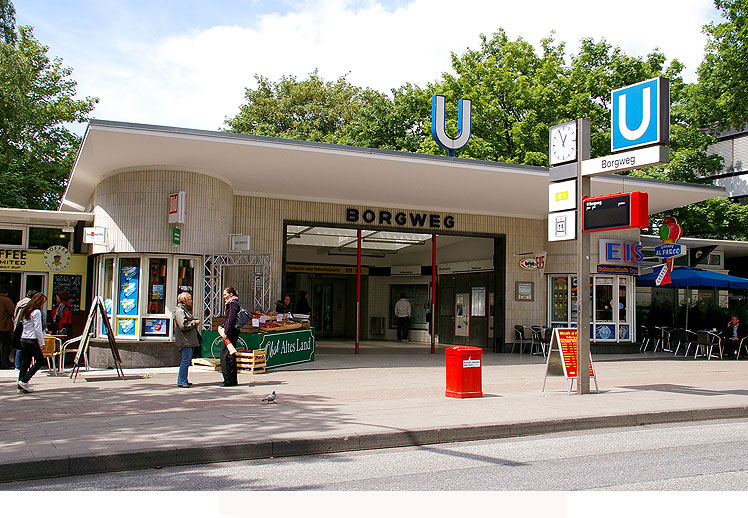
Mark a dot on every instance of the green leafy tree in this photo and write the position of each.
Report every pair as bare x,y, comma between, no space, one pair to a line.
37,99
720,100
7,22
315,110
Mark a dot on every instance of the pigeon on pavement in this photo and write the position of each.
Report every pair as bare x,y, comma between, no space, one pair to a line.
270,398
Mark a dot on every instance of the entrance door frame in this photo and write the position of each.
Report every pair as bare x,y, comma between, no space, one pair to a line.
498,342
45,283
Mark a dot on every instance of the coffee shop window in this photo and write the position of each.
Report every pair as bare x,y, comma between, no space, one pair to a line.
41,238
12,237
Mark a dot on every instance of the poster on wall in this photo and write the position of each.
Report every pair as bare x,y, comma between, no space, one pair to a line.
127,326
108,308
156,326
128,290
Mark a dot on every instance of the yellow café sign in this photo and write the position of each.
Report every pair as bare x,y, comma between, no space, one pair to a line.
13,259
54,259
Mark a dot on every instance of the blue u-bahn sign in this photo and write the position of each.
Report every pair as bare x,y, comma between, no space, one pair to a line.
640,114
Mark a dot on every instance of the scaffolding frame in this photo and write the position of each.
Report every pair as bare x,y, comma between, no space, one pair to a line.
213,269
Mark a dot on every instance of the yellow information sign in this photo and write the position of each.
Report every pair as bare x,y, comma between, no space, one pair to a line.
325,268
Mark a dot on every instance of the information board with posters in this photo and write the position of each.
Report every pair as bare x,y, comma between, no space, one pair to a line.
562,357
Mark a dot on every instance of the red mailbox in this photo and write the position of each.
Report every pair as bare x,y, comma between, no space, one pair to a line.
464,378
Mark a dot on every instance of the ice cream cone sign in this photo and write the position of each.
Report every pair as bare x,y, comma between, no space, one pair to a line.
670,232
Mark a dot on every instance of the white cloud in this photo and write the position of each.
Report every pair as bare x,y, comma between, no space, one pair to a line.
196,79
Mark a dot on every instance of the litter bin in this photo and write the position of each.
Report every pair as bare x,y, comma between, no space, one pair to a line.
464,378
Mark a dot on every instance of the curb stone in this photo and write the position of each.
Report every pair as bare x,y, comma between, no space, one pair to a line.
65,466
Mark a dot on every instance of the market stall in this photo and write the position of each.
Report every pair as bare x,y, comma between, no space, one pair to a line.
287,342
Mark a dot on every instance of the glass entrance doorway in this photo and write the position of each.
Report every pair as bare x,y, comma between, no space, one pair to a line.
36,282
12,281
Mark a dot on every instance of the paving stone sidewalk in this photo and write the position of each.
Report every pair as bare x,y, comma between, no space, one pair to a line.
339,402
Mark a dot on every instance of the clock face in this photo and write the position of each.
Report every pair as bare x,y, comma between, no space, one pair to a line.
563,143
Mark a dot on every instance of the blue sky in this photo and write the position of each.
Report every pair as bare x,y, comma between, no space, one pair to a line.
186,63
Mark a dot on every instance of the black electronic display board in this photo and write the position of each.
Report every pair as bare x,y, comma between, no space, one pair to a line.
612,212
615,211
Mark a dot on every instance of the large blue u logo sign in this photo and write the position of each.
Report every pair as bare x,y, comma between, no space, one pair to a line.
464,122
640,114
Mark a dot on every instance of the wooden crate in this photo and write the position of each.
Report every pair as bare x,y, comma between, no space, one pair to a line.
251,362
209,363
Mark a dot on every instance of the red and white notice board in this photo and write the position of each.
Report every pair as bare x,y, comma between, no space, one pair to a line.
562,357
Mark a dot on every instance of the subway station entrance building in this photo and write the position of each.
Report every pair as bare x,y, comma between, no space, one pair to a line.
303,203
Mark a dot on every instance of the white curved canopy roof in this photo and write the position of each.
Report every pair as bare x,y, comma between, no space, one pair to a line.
289,169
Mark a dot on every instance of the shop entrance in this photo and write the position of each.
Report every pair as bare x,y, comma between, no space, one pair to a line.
465,308
322,261
328,298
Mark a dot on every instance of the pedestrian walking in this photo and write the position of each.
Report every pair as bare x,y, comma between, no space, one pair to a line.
185,335
17,318
230,334
32,341
403,312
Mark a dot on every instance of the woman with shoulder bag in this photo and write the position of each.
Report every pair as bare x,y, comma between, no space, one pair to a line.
32,341
185,335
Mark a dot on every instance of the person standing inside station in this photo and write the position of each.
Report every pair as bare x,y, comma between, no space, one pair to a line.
230,334
62,315
32,341
403,312
185,335
427,309
302,305
6,327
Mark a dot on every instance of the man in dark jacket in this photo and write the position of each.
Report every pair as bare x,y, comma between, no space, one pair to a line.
733,334
6,327
228,358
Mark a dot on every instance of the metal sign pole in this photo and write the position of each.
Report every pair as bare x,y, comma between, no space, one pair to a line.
358,288
584,306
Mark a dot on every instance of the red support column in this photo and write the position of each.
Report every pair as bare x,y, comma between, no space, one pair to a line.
433,293
358,287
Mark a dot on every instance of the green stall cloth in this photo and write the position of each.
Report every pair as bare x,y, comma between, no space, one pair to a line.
283,347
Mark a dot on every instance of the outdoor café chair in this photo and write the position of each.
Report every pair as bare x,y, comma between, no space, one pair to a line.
685,338
743,343
71,346
706,342
529,338
663,339
537,341
51,352
644,336
655,338
519,338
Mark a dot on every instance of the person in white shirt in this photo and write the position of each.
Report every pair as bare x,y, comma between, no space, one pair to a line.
32,341
403,311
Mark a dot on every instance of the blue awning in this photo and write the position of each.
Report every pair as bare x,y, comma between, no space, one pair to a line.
686,277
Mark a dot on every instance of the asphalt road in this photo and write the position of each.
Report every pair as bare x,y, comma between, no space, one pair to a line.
694,456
